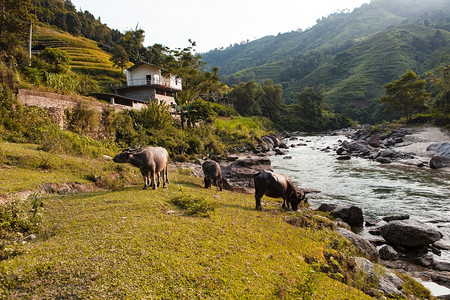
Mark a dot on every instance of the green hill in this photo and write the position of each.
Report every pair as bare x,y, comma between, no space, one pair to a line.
353,54
355,77
85,55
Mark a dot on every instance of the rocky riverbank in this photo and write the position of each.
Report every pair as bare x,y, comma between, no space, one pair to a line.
422,147
407,146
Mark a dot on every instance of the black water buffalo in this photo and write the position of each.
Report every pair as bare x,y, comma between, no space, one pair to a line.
153,160
277,186
212,172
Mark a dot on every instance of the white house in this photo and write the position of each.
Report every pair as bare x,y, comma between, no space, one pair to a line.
146,83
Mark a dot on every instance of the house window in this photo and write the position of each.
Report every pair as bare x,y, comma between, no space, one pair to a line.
148,79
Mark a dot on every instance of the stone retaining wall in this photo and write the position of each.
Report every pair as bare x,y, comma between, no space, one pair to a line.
56,103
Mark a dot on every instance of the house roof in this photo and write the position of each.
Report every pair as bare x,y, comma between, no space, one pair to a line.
141,63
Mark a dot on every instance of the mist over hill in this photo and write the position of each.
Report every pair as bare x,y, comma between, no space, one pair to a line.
352,53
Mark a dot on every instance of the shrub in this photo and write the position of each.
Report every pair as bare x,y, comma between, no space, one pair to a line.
193,205
18,220
81,119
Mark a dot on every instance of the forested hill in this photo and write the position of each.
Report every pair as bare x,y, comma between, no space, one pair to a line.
333,51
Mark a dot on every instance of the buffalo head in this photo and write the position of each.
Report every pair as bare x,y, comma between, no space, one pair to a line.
124,156
297,196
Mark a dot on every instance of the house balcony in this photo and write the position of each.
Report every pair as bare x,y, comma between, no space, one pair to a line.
160,82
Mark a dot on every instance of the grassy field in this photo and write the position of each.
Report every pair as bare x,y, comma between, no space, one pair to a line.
183,242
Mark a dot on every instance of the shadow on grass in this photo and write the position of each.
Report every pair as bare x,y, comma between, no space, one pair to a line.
188,183
91,194
236,206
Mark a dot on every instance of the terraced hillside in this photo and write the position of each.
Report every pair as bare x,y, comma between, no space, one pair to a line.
85,55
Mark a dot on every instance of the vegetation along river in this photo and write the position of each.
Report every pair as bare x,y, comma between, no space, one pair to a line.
378,189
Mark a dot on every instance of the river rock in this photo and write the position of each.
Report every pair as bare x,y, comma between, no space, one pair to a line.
442,265
439,161
340,151
441,278
388,153
440,149
425,260
364,245
283,146
343,157
374,140
271,140
443,245
411,233
389,283
396,217
237,176
351,215
384,160
388,253
280,151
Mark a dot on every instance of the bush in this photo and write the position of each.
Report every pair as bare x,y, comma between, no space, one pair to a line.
193,205
224,111
18,219
81,119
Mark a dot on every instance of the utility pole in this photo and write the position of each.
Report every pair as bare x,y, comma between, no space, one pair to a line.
29,43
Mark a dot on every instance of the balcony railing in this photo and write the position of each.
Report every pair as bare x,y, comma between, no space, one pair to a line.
145,81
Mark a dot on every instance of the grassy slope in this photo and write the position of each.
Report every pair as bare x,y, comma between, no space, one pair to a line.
133,243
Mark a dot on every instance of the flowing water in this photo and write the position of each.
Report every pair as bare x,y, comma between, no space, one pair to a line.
378,189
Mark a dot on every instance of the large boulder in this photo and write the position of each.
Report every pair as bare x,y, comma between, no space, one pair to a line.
388,253
351,215
411,233
439,161
364,245
388,283
440,149
238,175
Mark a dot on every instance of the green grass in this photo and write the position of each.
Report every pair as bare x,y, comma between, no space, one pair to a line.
23,168
133,243
183,242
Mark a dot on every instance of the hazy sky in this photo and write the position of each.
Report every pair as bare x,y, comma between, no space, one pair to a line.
211,24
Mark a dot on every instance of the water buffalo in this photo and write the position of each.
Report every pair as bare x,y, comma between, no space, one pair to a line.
277,186
212,172
153,160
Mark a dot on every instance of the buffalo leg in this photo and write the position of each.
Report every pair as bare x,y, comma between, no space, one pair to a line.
207,182
286,203
218,183
145,176
166,171
258,197
164,176
152,172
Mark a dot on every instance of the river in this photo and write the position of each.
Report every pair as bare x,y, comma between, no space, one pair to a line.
378,189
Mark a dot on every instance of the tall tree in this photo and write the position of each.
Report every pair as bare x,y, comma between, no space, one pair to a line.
119,57
189,67
57,58
272,105
249,95
406,95
15,20
132,41
441,87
